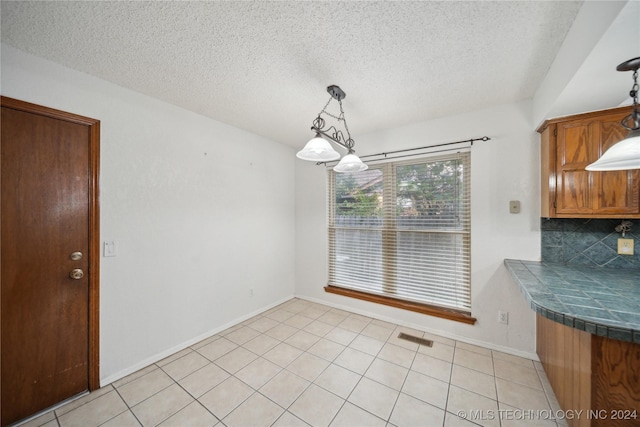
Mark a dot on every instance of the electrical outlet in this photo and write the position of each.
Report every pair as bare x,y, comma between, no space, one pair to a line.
250,292
514,206
503,317
625,246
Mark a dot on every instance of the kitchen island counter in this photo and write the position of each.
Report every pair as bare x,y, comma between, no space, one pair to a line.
587,337
598,300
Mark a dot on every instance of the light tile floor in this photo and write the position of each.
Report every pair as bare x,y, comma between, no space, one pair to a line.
303,363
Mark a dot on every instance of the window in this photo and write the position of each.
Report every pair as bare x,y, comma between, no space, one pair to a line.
399,234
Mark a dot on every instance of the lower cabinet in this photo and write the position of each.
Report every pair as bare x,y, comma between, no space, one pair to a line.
593,376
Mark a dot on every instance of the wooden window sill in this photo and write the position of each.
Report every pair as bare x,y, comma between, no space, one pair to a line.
449,314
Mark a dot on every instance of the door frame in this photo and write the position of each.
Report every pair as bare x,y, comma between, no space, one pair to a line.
93,126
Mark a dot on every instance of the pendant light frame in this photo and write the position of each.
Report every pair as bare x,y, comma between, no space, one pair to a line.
335,135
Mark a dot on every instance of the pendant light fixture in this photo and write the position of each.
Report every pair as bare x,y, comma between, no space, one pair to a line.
624,154
318,149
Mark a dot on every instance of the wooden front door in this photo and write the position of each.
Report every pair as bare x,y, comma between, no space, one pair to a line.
49,257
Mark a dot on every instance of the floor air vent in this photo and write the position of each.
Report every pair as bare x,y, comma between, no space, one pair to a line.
417,340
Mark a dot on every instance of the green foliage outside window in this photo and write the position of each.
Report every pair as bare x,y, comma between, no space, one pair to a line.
426,190
358,199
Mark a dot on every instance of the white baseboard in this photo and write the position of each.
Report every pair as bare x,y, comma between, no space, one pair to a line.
166,353
490,346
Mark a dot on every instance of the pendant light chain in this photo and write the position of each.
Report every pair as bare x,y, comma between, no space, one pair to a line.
634,89
349,141
632,121
636,107
341,118
324,109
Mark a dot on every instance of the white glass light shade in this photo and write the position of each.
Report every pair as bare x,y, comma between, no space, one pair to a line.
350,163
318,150
621,156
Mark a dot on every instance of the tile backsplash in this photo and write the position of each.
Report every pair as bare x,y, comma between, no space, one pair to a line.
592,242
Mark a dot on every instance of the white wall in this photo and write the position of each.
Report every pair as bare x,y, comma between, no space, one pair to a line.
201,212
583,75
503,169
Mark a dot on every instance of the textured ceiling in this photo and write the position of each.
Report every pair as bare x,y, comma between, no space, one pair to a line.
265,66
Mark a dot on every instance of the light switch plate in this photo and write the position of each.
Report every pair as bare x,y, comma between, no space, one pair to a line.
109,248
514,206
625,246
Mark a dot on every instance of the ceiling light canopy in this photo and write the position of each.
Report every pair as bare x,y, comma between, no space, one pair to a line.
318,149
626,153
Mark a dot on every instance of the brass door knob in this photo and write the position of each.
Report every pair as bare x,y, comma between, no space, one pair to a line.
76,274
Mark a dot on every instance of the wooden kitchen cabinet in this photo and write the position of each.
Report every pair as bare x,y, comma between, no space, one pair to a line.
568,145
594,376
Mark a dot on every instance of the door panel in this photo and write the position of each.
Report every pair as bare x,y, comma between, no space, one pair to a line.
574,148
48,212
618,191
579,192
575,152
573,192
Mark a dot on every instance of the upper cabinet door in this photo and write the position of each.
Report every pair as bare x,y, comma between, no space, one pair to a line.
570,144
616,192
575,150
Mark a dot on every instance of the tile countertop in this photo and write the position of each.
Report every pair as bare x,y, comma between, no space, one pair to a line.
601,301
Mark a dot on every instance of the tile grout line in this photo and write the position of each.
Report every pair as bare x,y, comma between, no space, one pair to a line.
322,388
195,399
318,336
453,358
393,408
359,380
345,400
285,410
127,405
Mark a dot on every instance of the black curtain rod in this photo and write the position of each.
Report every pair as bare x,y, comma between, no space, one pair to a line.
386,153
416,154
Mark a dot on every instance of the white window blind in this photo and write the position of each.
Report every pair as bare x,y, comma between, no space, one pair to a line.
402,230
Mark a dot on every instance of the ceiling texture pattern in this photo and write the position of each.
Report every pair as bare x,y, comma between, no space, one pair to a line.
265,66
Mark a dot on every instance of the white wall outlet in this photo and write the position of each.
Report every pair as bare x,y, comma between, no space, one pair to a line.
250,292
109,248
625,246
503,317
514,206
